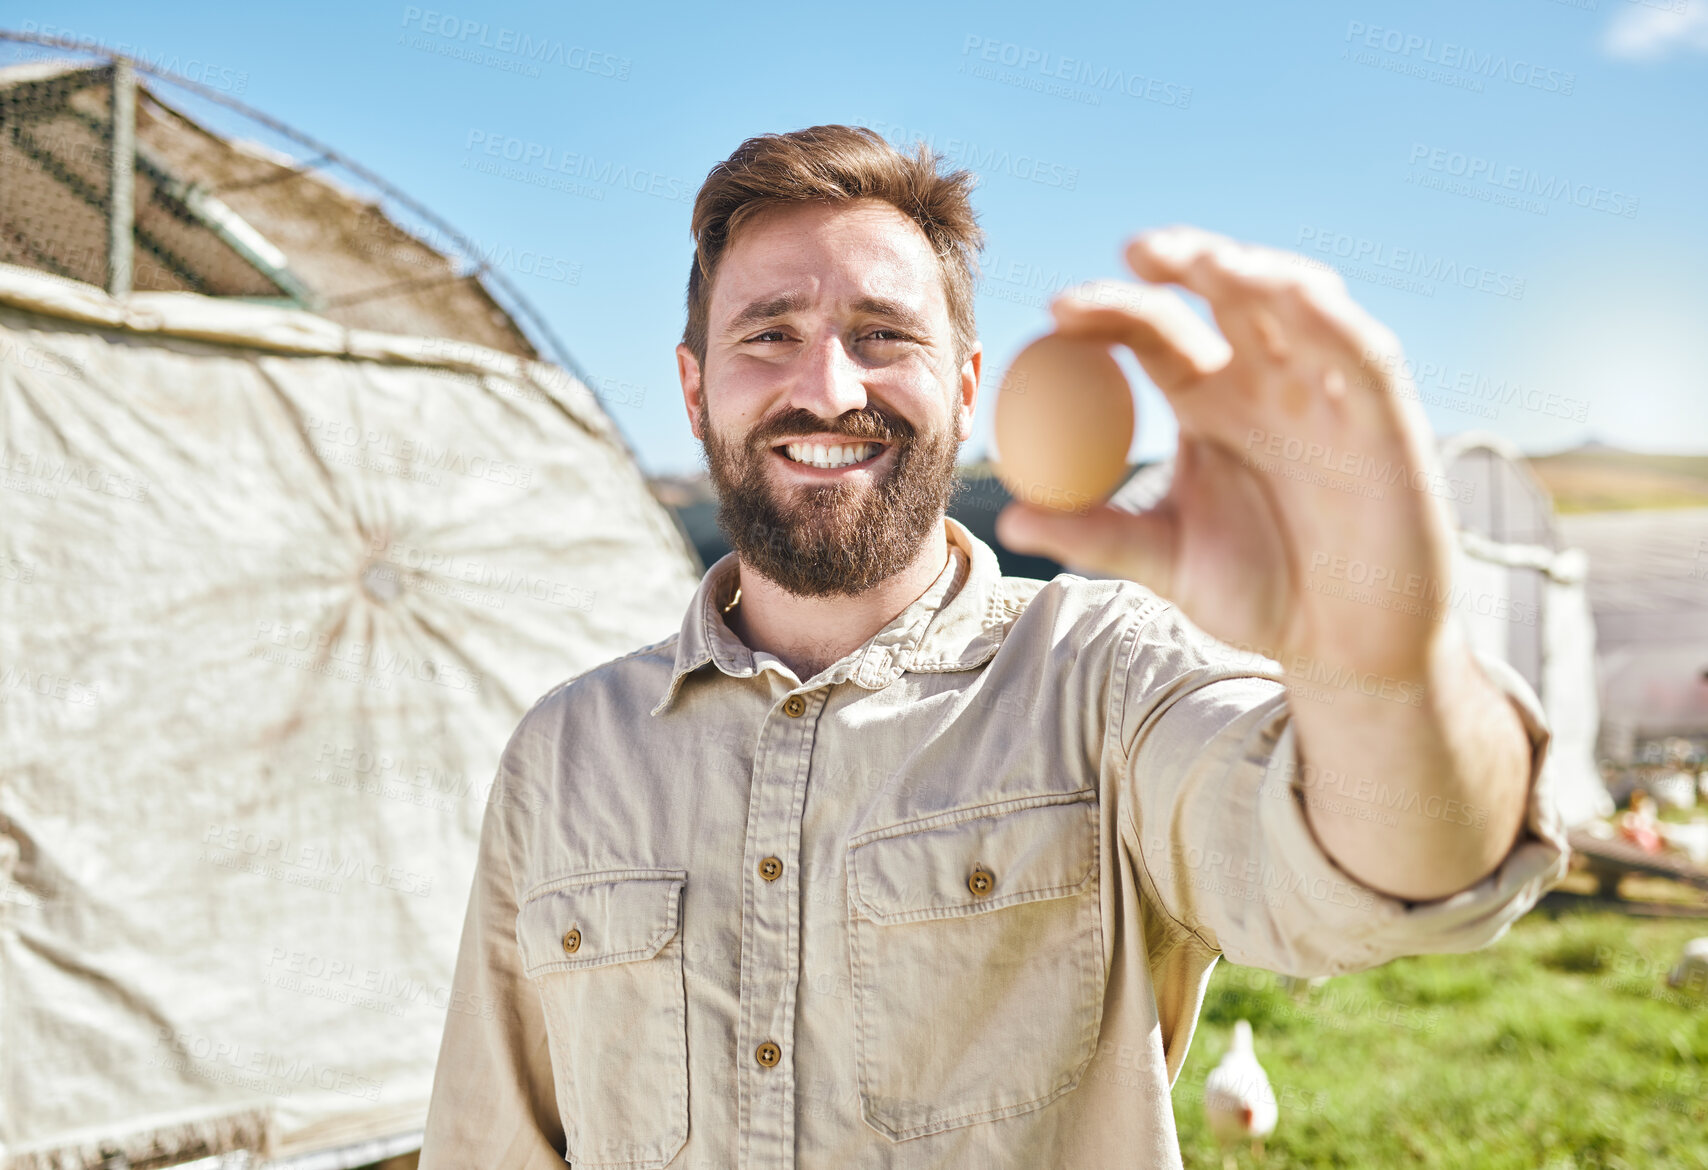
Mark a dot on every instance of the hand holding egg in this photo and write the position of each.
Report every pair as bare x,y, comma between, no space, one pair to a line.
1290,363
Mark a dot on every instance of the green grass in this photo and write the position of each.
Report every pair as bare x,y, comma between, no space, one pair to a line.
1560,1046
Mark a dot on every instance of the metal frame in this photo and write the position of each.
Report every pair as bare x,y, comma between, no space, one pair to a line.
513,300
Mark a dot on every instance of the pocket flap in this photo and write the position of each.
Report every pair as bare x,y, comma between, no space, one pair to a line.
1027,850
590,920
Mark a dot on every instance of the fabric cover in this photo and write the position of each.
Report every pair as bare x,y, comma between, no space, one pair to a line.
273,595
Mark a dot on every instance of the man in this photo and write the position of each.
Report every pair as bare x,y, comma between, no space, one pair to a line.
887,860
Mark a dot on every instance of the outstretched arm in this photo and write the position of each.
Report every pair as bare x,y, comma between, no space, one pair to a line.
1306,472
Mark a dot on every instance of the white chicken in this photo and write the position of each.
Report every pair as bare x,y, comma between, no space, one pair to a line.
1238,1101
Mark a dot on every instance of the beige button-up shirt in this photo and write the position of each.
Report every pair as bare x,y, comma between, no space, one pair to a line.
952,902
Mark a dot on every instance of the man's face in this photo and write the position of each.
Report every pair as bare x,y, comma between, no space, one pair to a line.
830,404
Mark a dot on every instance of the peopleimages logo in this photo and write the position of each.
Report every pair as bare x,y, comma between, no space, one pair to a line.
395,246
1411,263
1041,70
1468,390
194,69
1415,51
985,160
256,1069
1523,181
505,48
540,162
1386,471
1021,282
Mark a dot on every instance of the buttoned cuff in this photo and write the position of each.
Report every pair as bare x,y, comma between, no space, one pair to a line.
1374,927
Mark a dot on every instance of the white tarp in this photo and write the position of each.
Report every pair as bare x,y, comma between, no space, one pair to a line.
273,593
1648,586
1528,605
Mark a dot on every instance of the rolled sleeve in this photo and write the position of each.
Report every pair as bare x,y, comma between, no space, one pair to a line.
1216,812
494,1100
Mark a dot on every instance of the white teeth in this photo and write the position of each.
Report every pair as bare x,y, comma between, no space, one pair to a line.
838,455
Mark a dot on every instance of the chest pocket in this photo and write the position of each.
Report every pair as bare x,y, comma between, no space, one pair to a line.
977,951
604,950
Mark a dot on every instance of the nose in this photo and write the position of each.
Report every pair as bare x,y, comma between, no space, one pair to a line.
828,382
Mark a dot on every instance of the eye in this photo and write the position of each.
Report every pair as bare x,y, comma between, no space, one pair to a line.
887,335
770,335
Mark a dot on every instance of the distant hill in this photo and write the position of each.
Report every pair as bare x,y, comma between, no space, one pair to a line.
1599,478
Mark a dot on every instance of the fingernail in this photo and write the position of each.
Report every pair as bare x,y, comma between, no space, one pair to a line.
1165,245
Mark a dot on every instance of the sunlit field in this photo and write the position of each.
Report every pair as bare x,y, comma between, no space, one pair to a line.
1560,1046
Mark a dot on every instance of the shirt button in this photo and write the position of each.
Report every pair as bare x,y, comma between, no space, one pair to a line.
981,883
770,869
571,941
794,706
768,1054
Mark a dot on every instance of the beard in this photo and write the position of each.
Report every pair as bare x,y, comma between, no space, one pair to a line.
837,538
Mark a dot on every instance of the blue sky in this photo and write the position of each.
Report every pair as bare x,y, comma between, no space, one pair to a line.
1518,189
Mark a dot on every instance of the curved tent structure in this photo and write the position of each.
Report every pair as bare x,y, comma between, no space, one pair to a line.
226,217
1521,592
1648,584
278,577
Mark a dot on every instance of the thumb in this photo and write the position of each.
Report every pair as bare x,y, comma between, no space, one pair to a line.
1139,546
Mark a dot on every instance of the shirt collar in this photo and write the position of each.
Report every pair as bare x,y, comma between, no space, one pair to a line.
956,624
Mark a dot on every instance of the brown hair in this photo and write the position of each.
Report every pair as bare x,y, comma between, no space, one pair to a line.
836,164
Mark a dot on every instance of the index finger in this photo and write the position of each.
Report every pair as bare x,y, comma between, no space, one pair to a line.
1175,346
1258,294
1221,269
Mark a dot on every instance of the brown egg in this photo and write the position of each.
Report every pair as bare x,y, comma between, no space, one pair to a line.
1064,422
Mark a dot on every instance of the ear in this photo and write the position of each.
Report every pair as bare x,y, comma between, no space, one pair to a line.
971,370
688,371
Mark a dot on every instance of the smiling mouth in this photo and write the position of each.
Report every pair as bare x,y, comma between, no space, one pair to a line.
830,457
